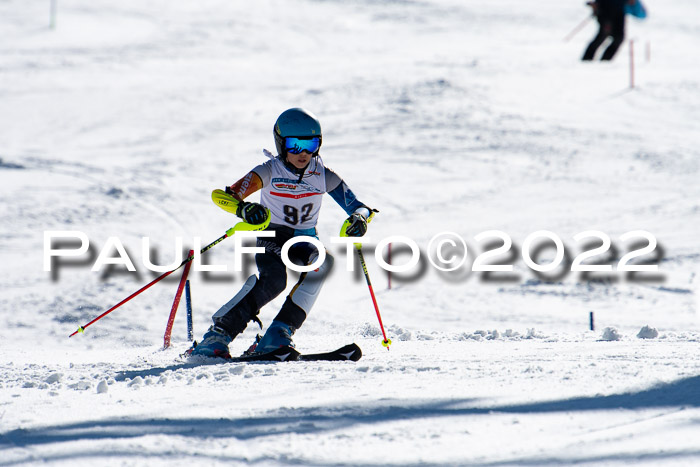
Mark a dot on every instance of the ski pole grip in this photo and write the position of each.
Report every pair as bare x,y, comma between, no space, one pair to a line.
225,201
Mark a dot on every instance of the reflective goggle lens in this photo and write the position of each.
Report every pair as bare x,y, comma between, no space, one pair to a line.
297,145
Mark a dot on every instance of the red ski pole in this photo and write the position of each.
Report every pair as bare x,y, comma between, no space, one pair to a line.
153,282
229,233
578,28
176,304
631,64
386,342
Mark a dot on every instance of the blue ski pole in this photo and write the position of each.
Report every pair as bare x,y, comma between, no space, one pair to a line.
188,301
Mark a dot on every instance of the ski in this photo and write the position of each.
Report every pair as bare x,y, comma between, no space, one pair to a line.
350,352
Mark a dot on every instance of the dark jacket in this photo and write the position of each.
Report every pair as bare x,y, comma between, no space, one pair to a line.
610,8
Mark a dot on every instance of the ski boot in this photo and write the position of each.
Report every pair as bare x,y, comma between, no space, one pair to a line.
278,335
214,344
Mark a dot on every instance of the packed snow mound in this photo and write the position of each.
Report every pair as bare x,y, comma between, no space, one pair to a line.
611,334
648,333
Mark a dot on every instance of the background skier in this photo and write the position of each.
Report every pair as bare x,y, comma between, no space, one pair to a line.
292,186
611,18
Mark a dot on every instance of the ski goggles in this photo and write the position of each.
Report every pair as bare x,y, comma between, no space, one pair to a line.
297,145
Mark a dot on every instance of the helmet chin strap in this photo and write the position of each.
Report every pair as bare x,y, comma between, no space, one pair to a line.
301,172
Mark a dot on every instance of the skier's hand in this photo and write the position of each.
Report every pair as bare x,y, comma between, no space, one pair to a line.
357,225
252,213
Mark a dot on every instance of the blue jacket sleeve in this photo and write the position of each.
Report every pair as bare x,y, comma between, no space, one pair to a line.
637,10
341,193
346,198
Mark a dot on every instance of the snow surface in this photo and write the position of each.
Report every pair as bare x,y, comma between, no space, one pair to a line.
446,116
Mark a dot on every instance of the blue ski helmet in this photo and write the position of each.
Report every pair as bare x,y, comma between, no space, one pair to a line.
297,123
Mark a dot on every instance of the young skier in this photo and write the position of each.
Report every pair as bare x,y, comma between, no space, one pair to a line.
292,184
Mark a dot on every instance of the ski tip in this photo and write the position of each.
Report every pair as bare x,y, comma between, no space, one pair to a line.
351,352
357,352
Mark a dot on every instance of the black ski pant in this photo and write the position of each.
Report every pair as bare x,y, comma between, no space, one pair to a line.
610,26
271,282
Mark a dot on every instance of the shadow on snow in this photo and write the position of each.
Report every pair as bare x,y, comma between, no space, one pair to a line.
311,420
